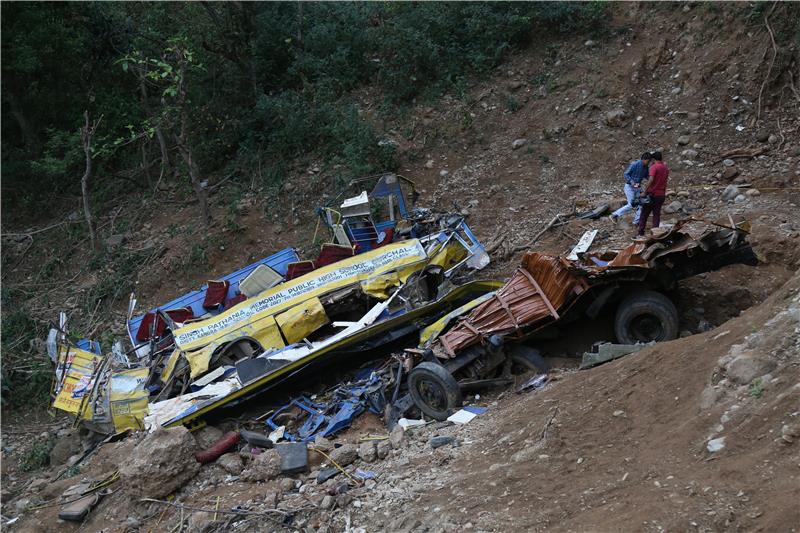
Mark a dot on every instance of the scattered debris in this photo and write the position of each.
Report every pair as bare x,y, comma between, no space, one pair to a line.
444,440
241,333
536,382
259,439
583,245
227,442
294,457
78,500
465,415
715,445
602,353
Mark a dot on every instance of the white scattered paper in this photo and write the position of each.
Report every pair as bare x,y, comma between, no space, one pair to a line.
277,434
583,244
405,423
461,417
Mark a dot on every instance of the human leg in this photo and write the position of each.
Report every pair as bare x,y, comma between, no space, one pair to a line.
643,218
629,195
658,201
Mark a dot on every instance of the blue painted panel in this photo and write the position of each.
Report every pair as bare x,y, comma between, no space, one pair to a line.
380,226
278,262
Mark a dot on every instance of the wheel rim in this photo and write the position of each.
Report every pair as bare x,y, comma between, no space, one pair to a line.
433,394
646,328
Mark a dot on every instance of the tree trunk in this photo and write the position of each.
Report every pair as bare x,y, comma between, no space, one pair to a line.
162,142
86,140
28,132
187,154
146,164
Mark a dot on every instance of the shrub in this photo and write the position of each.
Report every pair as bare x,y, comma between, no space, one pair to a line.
38,456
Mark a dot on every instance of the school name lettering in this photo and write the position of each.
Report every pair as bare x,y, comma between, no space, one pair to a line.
346,272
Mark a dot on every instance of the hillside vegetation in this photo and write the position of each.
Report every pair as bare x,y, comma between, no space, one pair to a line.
179,97
510,113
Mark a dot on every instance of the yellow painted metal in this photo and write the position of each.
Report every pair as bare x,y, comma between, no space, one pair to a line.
128,398
265,331
430,333
380,286
259,310
268,337
449,255
377,328
302,320
169,366
80,366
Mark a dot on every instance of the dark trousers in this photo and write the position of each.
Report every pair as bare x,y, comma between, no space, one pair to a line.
653,207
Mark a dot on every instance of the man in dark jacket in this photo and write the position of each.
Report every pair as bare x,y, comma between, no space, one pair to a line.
657,190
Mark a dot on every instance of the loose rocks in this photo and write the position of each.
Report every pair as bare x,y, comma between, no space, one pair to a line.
730,192
161,463
207,436
367,451
616,117
265,466
397,437
673,207
232,463
716,445
382,449
65,448
729,173
345,455
747,366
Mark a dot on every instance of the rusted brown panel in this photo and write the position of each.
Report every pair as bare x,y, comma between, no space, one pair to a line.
553,276
519,303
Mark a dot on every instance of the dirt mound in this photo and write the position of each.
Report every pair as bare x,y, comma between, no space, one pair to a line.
626,445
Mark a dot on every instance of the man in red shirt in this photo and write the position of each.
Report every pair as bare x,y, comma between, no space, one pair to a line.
656,189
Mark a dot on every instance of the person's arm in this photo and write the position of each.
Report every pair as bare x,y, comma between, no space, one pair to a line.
631,172
652,173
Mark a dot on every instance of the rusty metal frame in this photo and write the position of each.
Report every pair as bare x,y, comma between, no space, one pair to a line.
549,305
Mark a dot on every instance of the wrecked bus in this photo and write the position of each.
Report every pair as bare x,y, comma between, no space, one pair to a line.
481,343
243,333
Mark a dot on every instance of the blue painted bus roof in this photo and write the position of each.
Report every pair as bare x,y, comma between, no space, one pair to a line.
278,262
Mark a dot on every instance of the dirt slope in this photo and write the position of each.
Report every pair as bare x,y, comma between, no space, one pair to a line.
623,447
620,447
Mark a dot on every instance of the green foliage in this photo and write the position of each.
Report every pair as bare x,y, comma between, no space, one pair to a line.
289,124
26,375
62,155
756,389
574,17
512,104
38,456
118,269
266,83
197,260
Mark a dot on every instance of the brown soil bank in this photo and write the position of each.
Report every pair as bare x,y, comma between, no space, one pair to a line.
624,446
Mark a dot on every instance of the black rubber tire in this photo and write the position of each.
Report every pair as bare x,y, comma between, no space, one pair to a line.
646,316
434,390
527,359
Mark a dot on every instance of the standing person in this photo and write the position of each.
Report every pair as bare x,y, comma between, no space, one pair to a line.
634,175
657,190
